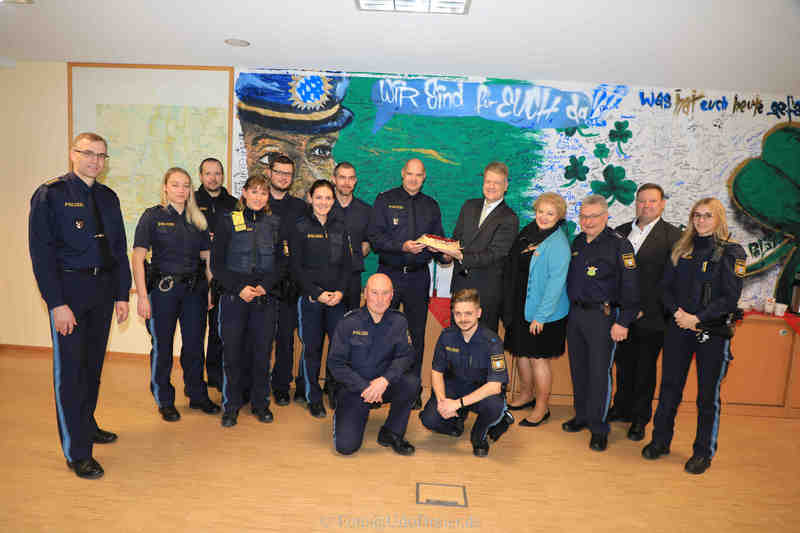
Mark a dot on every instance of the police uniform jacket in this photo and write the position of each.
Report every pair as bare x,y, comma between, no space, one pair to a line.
683,283
289,209
320,256
471,364
248,250
391,225
604,270
214,207
176,243
62,235
356,220
362,350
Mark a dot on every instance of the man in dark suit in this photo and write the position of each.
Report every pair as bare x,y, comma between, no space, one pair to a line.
486,228
636,357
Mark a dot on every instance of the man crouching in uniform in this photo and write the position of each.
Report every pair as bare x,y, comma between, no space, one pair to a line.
468,374
369,357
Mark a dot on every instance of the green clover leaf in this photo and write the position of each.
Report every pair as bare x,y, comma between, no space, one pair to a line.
615,186
601,152
575,171
569,132
620,134
767,189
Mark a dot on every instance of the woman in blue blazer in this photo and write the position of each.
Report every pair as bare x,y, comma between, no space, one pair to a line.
538,304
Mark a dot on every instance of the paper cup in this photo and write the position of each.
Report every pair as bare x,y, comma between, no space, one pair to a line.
769,306
780,309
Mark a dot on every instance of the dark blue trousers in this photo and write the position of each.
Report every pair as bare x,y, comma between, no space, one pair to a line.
187,307
352,296
411,289
246,330
712,359
636,360
315,320
591,354
352,413
214,350
284,347
490,411
78,360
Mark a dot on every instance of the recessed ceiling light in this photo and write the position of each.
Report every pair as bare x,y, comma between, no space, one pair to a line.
19,2
237,42
449,7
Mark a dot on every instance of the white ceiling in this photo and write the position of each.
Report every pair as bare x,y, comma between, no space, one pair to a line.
746,45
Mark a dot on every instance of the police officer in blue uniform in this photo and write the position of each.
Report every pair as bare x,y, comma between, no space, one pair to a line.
214,201
321,264
79,256
399,217
289,209
248,259
468,374
603,290
355,213
177,290
370,357
701,289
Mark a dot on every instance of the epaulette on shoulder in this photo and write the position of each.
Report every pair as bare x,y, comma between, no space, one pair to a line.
53,181
351,312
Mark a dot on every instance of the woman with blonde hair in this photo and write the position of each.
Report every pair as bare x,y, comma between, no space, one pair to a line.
537,305
175,291
702,283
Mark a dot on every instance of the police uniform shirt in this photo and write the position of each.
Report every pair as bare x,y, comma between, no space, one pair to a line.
391,225
356,220
319,254
62,235
289,208
604,270
213,207
176,243
362,350
243,223
683,283
471,363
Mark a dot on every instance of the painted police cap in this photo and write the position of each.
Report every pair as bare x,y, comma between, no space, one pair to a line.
298,103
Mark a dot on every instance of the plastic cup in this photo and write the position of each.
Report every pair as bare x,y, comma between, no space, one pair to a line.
769,306
780,309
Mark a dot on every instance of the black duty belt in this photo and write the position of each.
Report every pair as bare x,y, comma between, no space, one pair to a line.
405,269
594,305
91,271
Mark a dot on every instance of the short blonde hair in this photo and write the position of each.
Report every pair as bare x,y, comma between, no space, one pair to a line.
498,168
554,199
89,136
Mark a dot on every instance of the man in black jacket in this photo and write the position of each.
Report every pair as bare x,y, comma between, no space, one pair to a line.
652,239
214,201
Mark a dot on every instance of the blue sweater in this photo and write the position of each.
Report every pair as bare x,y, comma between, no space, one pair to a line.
546,300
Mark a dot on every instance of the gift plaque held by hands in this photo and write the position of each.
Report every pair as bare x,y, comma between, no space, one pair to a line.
440,243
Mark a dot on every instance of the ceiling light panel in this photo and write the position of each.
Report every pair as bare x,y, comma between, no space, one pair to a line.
448,7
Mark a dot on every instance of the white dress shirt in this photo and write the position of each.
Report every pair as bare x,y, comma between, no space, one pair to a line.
637,236
487,209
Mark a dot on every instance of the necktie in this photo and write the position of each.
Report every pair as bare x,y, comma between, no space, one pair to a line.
484,214
102,240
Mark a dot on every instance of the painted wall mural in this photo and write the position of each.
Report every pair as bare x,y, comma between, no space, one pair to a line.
572,138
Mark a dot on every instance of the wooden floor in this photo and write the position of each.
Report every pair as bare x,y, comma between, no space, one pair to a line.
194,475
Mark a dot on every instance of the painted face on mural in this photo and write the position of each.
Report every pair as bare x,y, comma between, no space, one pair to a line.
593,220
312,154
413,176
649,206
495,186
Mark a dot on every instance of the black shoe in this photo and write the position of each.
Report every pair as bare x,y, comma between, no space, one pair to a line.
697,464
480,449
398,444
317,410
528,424
86,468
531,404
636,432
599,442
263,415
572,426
281,397
615,415
497,430
207,406
169,413
456,429
299,396
102,436
229,418
654,450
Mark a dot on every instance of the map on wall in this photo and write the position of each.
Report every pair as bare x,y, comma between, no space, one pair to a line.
572,138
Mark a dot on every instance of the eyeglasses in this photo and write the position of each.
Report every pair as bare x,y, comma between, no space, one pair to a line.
282,173
702,216
591,217
92,155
